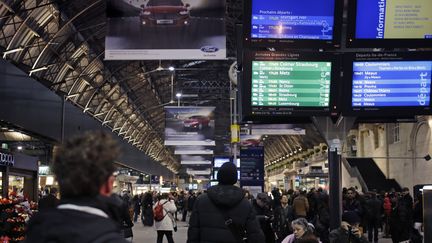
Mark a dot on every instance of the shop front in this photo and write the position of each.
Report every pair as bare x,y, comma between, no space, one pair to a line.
19,175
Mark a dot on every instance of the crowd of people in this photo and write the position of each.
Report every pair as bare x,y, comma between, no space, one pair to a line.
89,212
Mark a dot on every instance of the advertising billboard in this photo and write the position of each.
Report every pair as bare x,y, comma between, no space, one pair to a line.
165,29
189,125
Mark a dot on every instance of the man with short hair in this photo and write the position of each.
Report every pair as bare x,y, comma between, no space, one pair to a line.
84,170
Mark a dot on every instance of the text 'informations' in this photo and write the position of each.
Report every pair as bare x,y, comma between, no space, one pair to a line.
394,19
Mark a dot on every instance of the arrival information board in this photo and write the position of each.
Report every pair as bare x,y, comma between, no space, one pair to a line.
395,83
291,83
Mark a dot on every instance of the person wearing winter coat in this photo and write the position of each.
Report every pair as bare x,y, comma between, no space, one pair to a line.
303,231
147,209
167,224
373,216
301,205
351,203
387,206
223,214
349,231
283,215
84,169
262,208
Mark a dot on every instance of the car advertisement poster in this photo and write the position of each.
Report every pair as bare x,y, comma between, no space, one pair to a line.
278,129
190,150
189,125
189,160
251,140
165,29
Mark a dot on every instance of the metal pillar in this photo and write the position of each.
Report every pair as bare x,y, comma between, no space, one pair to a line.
335,194
5,182
427,213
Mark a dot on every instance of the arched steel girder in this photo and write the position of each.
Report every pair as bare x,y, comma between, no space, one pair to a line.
97,90
95,59
60,79
286,143
39,58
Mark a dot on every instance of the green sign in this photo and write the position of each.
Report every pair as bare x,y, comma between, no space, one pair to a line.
291,83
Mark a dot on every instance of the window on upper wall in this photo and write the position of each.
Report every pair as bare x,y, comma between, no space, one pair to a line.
395,132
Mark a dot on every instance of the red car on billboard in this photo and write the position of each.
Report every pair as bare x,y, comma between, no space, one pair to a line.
165,12
196,122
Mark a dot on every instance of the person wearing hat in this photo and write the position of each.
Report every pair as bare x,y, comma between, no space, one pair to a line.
349,231
223,214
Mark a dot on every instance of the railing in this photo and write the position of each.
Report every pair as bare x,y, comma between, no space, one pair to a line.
354,172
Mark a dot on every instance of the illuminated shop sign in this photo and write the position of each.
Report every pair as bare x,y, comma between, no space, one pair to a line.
7,159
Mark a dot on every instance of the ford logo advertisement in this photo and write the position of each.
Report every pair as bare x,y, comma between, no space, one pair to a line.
209,49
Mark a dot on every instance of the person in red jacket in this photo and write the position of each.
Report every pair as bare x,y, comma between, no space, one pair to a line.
387,206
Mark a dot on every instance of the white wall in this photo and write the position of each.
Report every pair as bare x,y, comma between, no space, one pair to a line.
406,170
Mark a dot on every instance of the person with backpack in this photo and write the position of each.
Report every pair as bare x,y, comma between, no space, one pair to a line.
163,214
223,214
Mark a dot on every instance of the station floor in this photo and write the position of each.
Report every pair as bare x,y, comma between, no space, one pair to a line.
148,234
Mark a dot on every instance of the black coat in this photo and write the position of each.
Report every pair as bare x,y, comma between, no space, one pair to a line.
265,217
373,210
282,221
340,235
72,226
207,223
49,201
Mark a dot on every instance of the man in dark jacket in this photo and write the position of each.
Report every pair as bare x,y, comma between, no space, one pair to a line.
49,201
223,214
264,214
351,203
373,216
83,167
283,215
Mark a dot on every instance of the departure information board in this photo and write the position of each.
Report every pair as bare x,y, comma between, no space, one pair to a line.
282,19
394,19
291,83
391,83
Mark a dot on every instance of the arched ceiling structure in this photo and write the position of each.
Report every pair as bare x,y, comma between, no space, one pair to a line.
61,44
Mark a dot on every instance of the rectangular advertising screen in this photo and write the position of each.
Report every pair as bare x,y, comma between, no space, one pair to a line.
189,125
300,84
281,19
391,83
394,19
165,30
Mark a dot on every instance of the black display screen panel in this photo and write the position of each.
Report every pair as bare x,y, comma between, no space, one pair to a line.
272,23
390,23
282,84
391,82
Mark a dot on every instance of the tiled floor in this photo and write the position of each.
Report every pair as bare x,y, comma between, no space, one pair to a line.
148,234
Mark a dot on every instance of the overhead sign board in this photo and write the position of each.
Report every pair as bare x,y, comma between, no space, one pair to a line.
165,29
189,125
7,159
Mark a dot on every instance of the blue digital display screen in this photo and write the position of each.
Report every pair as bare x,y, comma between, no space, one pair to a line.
391,83
282,19
393,19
